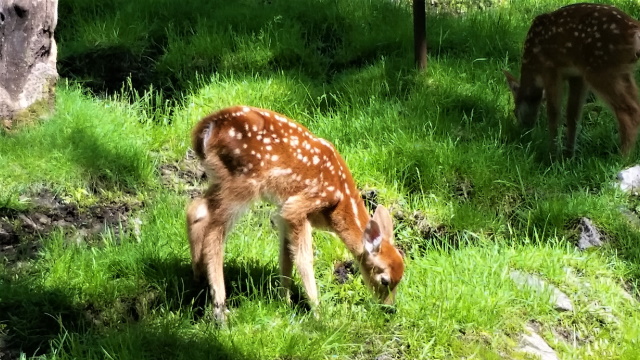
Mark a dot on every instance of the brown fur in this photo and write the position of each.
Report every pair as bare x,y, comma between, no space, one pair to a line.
590,46
254,153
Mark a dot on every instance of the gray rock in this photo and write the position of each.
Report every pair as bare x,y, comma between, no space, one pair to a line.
534,344
558,298
589,234
630,179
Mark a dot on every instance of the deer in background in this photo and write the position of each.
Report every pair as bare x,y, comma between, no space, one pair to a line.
252,153
590,46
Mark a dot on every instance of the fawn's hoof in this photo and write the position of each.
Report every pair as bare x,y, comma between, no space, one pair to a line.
220,314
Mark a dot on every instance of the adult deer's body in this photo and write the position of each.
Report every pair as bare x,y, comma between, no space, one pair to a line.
589,45
252,153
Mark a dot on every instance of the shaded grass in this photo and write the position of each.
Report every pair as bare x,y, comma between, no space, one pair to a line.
443,143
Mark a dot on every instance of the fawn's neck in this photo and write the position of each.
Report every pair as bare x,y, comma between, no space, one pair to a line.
350,219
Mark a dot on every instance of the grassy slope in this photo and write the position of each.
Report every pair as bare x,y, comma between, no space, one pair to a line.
344,70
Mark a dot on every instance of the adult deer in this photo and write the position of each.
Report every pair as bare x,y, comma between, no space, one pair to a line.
591,46
252,153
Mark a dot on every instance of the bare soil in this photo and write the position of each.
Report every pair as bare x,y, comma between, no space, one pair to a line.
20,231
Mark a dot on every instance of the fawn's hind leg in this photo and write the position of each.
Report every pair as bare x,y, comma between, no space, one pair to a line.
209,219
197,221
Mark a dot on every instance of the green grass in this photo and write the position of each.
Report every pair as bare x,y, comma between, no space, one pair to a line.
138,75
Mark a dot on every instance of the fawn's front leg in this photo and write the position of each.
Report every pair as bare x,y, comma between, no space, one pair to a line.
301,248
285,258
297,231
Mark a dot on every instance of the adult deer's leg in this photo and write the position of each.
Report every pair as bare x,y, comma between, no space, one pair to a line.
575,103
621,93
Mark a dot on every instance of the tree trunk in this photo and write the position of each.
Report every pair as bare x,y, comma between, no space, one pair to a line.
27,60
420,34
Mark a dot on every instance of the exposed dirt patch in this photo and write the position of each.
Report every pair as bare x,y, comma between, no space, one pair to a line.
370,197
425,228
185,176
570,336
344,270
464,189
20,230
417,219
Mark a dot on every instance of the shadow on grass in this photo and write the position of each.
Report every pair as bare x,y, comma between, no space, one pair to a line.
36,321
309,36
243,280
146,341
120,165
33,317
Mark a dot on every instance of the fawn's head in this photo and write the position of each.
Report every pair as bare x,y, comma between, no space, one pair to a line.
527,101
381,263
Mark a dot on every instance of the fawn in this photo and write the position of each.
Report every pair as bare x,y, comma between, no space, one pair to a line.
590,46
252,153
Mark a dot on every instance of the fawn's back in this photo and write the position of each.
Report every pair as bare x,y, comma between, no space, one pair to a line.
272,157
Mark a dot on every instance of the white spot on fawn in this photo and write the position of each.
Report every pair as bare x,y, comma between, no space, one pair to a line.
280,172
316,160
354,207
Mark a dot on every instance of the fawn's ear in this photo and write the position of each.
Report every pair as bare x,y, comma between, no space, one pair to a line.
513,83
372,237
383,218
